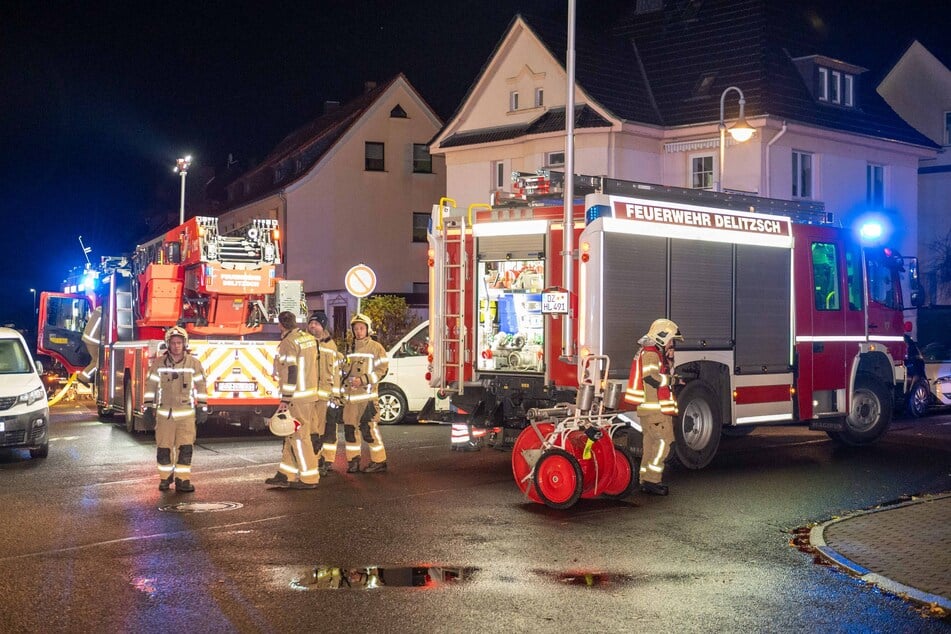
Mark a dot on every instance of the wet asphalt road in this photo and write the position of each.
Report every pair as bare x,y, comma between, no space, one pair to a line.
85,546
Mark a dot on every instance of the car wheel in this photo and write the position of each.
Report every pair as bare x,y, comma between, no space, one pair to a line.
392,405
919,398
40,452
697,428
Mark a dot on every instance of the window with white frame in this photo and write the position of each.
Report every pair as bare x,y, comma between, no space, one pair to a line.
498,175
848,90
539,97
823,84
835,87
422,159
554,159
513,101
802,174
701,171
875,185
373,156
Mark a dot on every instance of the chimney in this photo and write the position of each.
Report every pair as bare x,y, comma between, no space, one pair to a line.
368,86
330,106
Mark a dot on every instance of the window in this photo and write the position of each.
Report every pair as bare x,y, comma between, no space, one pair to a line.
701,172
825,275
554,159
513,101
848,89
823,84
420,226
881,281
422,159
416,346
801,175
539,97
875,185
373,157
853,272
947,128
397,112
835,87
498,175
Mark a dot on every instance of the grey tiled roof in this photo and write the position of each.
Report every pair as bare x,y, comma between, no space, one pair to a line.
650,68
551,121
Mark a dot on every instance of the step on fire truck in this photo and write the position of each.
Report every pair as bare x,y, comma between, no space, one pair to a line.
221,288
787,318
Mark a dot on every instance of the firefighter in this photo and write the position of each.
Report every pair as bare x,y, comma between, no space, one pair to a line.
175,401
328,392
365,365
649,390
296,369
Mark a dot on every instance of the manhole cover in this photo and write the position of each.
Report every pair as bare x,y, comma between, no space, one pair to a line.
200,507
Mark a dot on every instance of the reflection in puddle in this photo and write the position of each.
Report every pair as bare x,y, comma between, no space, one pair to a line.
343,578
601,580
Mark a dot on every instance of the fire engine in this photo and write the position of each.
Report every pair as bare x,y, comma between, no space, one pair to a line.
222,289
786,316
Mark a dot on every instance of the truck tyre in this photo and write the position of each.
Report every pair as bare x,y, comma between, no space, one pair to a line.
103,412
697,427
870,413
392,404
919,398
558,479
127,406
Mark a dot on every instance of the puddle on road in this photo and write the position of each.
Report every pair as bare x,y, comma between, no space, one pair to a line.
200,507
598,580
370,577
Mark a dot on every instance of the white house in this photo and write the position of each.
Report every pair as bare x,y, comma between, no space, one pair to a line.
353,186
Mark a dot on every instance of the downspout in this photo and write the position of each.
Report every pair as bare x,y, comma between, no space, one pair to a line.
766,188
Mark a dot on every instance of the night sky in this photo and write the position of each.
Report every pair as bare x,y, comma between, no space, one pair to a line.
99,98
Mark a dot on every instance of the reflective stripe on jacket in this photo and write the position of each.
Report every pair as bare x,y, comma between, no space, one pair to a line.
648,385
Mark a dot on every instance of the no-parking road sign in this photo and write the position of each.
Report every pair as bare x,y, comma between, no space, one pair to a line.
360,280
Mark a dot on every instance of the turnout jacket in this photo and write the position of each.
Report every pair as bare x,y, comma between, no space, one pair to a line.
176,389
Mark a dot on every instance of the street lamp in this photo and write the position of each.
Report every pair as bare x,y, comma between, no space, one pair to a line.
35,309
181,167
741,131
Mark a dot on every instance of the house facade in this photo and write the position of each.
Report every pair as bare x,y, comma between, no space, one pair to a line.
648,93
918,87
354,186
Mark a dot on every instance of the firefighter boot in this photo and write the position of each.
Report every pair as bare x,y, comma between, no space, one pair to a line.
375,467
323,466
654,488
353,466
297,484
183,486
165,483
279,480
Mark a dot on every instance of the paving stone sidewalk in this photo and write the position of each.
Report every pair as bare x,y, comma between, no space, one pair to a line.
905,548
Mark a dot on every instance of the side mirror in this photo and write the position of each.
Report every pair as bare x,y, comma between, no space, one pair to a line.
39,367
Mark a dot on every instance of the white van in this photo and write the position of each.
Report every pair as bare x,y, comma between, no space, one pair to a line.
405,389
24,409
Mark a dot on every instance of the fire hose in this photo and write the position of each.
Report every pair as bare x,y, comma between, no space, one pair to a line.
63,390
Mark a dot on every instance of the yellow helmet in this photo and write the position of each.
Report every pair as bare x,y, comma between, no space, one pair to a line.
361,318
176,331
662,331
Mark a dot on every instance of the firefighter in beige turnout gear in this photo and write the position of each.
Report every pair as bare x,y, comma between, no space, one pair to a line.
324,434
296,369
175,400
649,389
365,365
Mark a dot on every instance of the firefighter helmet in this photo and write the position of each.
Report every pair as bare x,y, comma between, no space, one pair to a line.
361,318
662,331
283,424
176,331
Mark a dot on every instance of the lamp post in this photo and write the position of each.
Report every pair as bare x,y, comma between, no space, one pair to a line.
35,309
741,131
181,167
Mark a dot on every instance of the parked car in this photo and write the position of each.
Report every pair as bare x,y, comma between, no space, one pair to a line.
405,389
938,371
24,408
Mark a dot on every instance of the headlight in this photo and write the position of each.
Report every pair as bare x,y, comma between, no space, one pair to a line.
32,396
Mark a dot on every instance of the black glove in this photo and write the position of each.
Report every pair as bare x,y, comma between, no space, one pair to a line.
201,414
148,415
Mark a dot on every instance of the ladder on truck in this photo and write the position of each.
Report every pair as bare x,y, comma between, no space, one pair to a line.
450,263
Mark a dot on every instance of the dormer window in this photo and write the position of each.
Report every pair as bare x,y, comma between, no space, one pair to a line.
513,101
832,81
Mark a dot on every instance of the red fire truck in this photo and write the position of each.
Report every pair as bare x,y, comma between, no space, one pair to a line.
221,288
787,318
